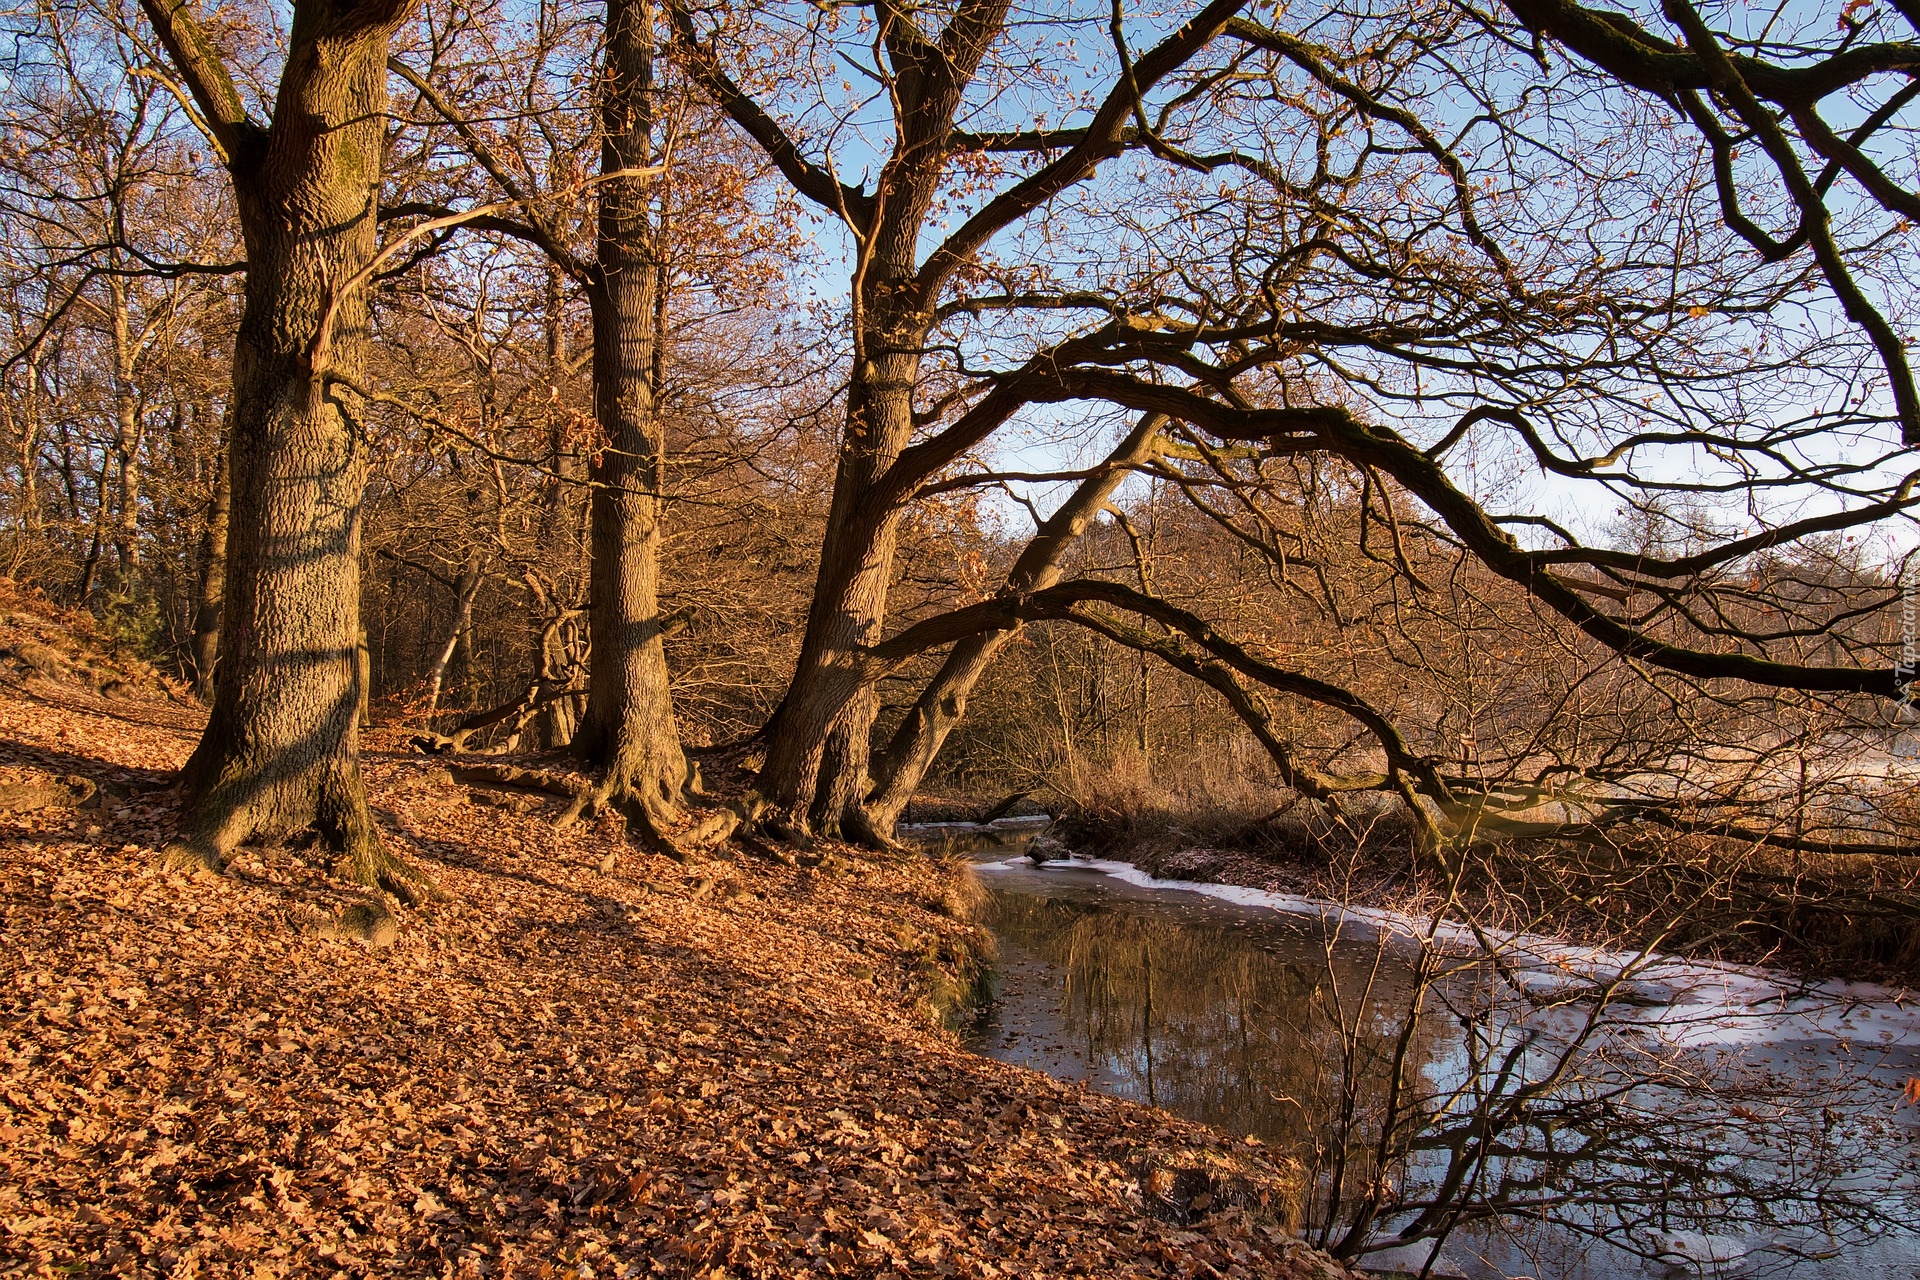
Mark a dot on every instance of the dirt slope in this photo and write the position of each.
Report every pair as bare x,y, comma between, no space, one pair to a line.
559,1071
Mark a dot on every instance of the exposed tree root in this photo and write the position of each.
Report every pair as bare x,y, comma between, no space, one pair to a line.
713,827
503,775
652,824
369,921
783,828
347,822
232,812
857,828
189,856
658,813
375,867
761,849
757,817
586,803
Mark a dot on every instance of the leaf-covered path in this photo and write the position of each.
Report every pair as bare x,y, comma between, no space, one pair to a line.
587,1061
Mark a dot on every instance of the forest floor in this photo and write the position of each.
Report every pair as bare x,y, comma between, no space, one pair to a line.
585,1061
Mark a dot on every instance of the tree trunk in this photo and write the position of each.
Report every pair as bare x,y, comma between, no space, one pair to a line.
22,416
554,718
826,719
126,437
213,579
940,706
557,720
844,778
362,680
281,748
628,726
466,585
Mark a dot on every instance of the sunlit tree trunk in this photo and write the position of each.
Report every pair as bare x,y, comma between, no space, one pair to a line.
281,748
466,585
817,761
628,726
213,578
943,702
816,771
126,433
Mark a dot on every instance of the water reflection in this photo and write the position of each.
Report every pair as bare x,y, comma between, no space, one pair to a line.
1203,1018
1442,1107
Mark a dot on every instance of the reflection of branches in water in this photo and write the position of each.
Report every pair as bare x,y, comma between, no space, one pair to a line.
1607,1141
1425,1093
1234,1034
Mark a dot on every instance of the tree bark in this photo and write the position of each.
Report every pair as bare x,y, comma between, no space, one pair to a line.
22,416
466,585
281,747
555,718
943,702
213,579
362,680
815,774
628,726
826,721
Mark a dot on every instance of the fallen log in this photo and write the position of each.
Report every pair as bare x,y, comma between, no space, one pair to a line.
36,790
507,775
520,709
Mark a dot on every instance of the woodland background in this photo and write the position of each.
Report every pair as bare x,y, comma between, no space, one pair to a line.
1580,508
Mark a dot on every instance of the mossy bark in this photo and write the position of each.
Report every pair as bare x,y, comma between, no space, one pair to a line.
281,748
628,727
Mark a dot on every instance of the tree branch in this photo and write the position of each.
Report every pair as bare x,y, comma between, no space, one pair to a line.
1335,429
199,64
1105,134
811,180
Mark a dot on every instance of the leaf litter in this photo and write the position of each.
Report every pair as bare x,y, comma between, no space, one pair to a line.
585,1061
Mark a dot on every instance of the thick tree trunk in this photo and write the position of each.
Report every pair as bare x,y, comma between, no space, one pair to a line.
826,720
628,726
213,579
844,770
281,748
943,702
815,773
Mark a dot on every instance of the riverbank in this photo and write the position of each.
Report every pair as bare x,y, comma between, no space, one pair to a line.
586,1061
1817,916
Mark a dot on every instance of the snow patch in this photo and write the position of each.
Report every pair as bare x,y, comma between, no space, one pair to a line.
1686,1003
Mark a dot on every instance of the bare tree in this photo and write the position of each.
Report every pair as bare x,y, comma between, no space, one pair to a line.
816,771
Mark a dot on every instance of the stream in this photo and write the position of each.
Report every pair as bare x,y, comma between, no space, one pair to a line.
1560,1112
